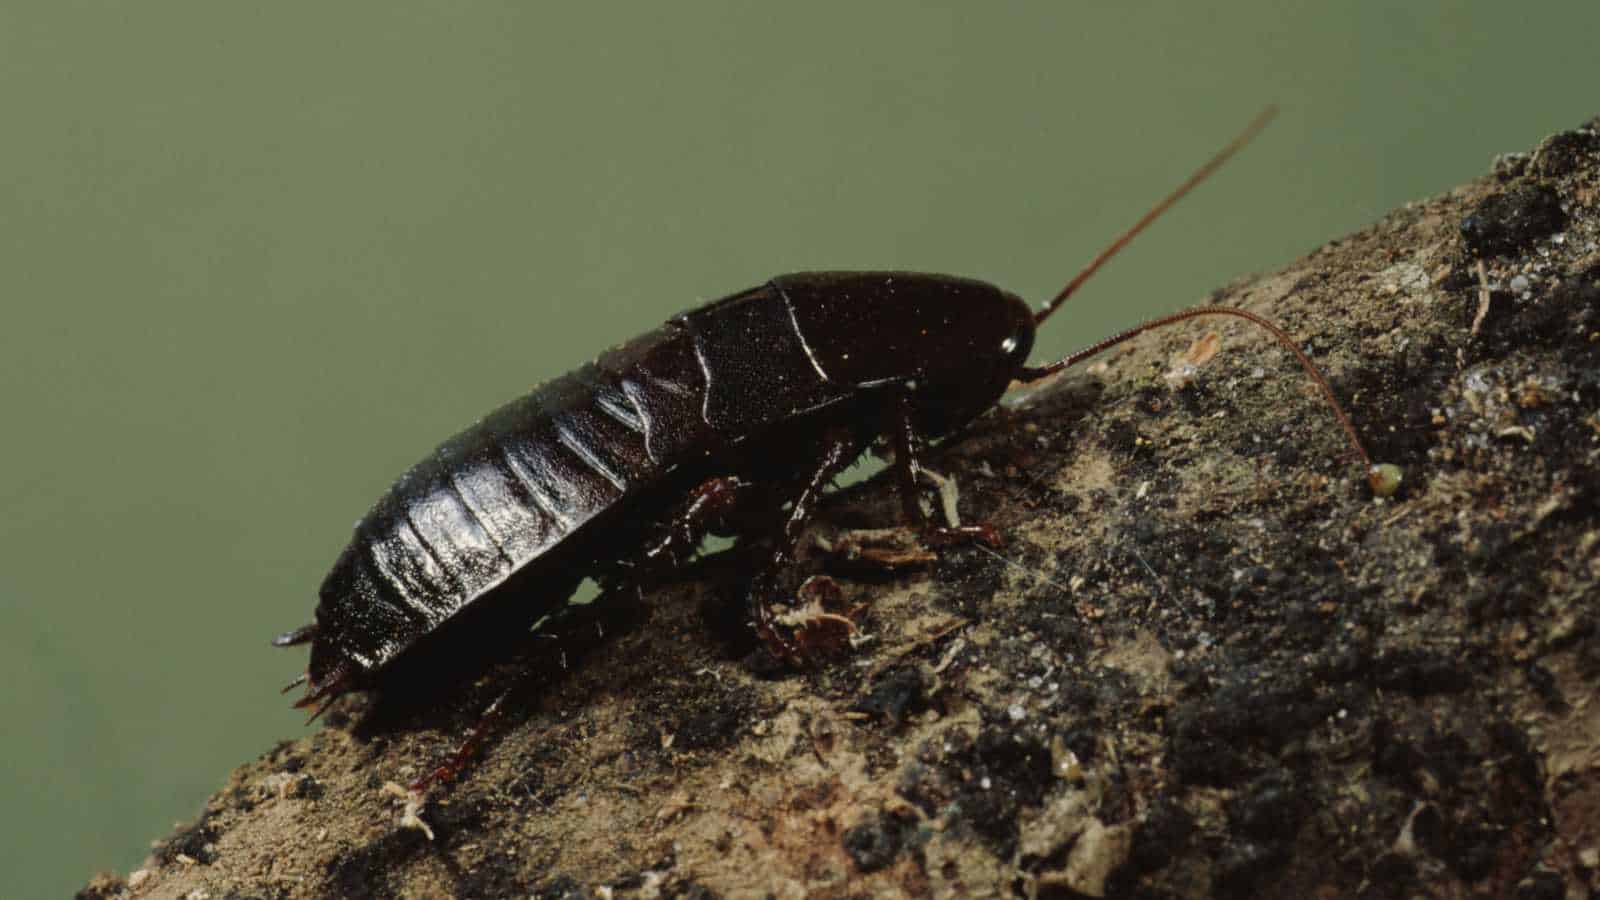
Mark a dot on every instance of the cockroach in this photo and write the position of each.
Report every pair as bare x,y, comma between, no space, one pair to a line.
751,404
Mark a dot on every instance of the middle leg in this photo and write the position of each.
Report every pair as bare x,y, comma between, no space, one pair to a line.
908,469
838,448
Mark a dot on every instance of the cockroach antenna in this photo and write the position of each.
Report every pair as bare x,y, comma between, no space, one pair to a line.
1384,479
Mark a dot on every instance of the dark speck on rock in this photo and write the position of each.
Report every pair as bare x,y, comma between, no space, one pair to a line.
1245,864
194,842
894,697
1471,852
1393,757
1081,741
1544,684
1428,827
1512,220
1394,875
1268,809
1562,154
1161,836
872,845
307,788
1542,885
1419,673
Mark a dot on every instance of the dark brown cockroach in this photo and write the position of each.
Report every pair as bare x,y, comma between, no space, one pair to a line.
753,402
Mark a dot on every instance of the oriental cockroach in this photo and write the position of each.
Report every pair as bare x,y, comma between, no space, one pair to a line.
749,404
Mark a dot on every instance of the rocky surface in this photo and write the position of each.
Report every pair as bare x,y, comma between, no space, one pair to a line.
1206,663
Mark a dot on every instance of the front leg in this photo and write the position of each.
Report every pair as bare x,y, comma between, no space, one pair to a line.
837,450
908,468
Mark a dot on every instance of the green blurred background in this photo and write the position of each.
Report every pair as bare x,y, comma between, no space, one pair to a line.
255,259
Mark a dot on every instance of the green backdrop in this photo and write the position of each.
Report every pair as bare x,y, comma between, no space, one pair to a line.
256,258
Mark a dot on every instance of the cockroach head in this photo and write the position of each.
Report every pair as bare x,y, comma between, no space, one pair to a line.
955,388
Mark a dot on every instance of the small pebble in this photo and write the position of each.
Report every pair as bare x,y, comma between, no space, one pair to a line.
1384,479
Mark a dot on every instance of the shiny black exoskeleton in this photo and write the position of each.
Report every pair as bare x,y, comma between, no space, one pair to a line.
768,393
740,410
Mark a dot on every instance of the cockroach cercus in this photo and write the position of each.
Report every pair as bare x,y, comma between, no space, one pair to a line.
751,404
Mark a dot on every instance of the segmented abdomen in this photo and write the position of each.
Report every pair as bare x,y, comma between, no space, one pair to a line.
505,492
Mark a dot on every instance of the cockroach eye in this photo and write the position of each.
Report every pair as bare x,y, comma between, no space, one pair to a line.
1008,346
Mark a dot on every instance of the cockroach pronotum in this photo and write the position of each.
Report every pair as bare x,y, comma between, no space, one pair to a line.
751,403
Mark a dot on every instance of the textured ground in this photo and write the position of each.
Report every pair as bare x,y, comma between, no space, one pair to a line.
1207,662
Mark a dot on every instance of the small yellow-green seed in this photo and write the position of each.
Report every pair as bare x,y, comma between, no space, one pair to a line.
1384,479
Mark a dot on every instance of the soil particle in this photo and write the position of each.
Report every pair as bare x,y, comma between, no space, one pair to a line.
1245,864
1512,220
191,844
1268,809
1161,837
1563,154
874,845
896,695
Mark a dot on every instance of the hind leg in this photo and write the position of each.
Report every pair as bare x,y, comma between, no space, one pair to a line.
786,641
674,541
707,510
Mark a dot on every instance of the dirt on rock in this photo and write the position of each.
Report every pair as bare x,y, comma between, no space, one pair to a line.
1207,662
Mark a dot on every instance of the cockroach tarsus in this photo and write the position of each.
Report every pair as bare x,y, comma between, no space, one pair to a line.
732,419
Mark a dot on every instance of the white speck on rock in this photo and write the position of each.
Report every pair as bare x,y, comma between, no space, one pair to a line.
1406,276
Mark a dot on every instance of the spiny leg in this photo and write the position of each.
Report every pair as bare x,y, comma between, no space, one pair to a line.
704,510
302,635
680,534
908,468
470,747
839,448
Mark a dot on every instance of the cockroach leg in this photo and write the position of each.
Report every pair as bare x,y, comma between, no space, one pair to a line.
322,694
708,504
882,549
470,748
839,448
949,496
820,621
982,532
908,469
